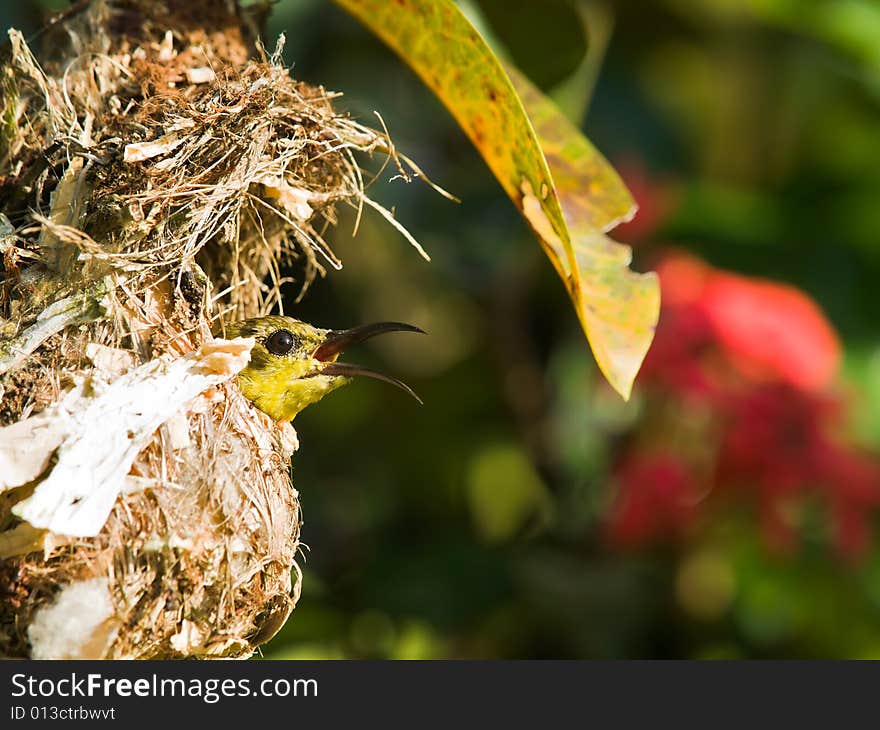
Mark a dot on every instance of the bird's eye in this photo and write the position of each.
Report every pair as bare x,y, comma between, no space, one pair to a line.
280,342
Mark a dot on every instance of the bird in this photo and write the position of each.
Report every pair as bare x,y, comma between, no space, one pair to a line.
294,364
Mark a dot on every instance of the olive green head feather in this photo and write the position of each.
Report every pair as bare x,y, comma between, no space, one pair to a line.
294,364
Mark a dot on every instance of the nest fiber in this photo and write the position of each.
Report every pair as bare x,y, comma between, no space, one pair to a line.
158,172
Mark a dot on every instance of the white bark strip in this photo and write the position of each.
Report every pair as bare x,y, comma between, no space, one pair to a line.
97,431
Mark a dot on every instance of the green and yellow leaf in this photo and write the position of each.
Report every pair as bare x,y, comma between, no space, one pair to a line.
566,190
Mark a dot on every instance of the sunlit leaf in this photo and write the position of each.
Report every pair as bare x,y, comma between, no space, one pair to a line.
617,308
590,191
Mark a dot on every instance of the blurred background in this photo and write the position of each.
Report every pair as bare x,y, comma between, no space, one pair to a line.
727,510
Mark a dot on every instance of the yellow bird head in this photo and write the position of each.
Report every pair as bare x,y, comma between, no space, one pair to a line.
293,364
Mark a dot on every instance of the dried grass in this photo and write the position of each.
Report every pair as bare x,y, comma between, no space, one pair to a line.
156,173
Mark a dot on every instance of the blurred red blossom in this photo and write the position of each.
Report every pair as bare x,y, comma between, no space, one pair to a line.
657,497
771,329
777,447
759,357
767,330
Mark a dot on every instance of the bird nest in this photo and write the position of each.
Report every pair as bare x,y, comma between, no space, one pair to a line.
158,172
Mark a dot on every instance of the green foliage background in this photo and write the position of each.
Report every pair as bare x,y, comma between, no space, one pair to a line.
470,527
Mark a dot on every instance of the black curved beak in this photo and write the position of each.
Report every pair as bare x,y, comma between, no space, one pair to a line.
348,371
338,340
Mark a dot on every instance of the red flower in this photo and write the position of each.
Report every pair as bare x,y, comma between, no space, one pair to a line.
772,448
852,482
774,435
771,331
657,497
741,367
766,331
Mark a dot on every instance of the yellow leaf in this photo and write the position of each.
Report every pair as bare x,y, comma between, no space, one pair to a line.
570,209
617,307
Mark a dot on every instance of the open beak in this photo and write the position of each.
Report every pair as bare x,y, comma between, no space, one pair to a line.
338,340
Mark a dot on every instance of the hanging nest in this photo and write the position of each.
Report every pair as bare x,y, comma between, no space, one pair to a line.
157,171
